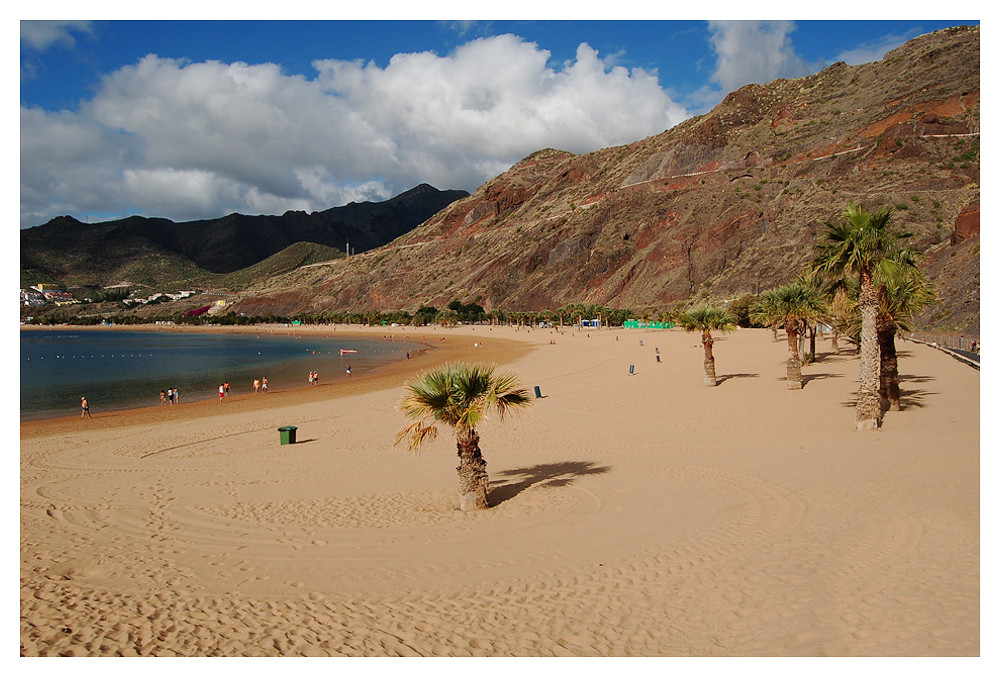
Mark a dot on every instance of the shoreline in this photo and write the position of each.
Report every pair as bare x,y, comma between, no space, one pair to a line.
335,387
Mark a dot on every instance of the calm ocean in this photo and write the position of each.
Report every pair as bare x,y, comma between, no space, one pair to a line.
125,369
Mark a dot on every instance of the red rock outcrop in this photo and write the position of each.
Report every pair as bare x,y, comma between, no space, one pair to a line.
966,223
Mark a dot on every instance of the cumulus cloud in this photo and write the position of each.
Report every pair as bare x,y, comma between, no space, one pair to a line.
749,52
193,140
755,51
41,35
761,51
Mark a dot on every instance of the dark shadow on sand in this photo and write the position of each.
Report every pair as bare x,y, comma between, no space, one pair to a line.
913,398
840,356
907,397
806,378
916,379
809,377
721,379
547,474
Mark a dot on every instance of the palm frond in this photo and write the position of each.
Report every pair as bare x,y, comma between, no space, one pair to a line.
506,394
706,318
798,300
416,433
470,415
458,395
860,241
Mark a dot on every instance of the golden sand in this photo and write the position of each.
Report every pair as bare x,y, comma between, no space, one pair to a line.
636,514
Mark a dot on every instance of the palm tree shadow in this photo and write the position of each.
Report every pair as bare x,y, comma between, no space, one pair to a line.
907,398
845,353
916,379
721,379
913,398
806,378
833,357
549,474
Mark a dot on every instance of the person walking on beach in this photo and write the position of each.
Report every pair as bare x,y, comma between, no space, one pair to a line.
348,370
222,392
226,386
310,378
170,395
84,408
263,384
177,396
256,386
163,397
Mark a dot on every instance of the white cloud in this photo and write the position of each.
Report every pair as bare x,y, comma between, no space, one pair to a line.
195,140
755,51
874,51
41,35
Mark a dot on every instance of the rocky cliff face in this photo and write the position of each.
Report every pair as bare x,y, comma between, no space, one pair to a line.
721,204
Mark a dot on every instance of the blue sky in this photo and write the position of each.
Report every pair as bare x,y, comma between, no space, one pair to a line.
196,119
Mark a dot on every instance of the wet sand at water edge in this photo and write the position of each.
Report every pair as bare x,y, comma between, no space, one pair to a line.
636,514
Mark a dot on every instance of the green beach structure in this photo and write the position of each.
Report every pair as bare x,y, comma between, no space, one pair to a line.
644,324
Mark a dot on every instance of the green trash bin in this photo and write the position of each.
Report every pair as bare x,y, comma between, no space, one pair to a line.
287,434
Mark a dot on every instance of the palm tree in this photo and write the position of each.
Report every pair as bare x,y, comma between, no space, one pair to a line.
790,305
446,318
863,245
821,313
461,396
900,298
706,320
840,316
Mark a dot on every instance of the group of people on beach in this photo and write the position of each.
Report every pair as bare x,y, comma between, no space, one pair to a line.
259,386
314,378
170,396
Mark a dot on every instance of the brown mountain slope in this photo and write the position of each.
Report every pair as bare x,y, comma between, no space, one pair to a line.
721,204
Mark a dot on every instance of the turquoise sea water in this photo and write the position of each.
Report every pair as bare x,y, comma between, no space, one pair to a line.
125,369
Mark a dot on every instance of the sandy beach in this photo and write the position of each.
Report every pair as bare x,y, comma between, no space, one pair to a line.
636,514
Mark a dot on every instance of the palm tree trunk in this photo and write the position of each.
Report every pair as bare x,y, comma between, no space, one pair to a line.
473,482
812,343
800,332
793,368
706,340
888,366
869,412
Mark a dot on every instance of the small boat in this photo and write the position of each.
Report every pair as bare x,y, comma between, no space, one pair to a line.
347,351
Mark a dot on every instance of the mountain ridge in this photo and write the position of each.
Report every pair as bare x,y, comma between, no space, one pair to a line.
66,249
729,202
